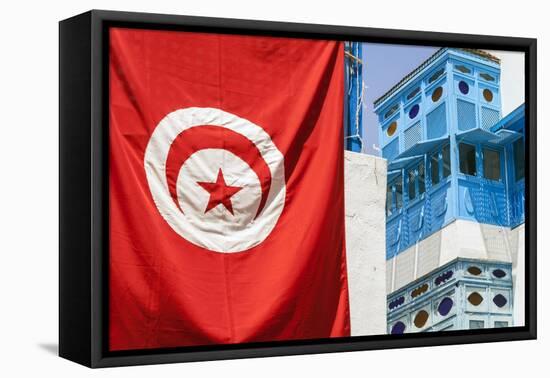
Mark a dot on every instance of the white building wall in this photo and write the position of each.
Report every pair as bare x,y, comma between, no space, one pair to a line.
512,79
365,197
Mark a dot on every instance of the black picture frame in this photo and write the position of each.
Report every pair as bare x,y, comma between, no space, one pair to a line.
83,181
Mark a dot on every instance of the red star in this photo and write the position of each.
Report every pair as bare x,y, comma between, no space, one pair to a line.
220,192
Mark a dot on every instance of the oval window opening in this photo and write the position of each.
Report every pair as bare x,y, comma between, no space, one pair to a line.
499,273
443,277
437,93
390,112
398,328
392,128
487,77
463,69
414,111
488,95
419,290
500,300
413,93
474,271
475,299
396,302
463,87
445,306
421,318
436,75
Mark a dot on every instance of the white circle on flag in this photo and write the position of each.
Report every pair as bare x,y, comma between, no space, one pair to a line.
203,166
217,229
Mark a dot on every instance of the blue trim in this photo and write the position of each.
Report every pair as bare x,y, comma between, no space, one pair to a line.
353,120
479,135
404,162
423,147
513,118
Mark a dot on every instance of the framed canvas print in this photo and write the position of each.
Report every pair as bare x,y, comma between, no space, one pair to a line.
234,188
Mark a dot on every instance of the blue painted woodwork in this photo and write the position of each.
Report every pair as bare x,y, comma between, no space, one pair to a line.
353,113
449,297
451,103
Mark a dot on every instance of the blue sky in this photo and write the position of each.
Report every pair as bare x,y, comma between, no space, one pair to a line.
385,65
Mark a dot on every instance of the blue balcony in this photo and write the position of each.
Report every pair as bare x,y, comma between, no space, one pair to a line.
450,155
463,294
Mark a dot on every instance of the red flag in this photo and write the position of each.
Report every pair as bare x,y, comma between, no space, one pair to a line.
226,189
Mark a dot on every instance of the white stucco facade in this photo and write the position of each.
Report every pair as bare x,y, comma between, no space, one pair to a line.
365,198
512,79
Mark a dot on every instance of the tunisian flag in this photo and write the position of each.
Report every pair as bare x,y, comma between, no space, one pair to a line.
226,189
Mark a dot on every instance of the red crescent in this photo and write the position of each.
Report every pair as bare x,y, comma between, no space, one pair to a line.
207,136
